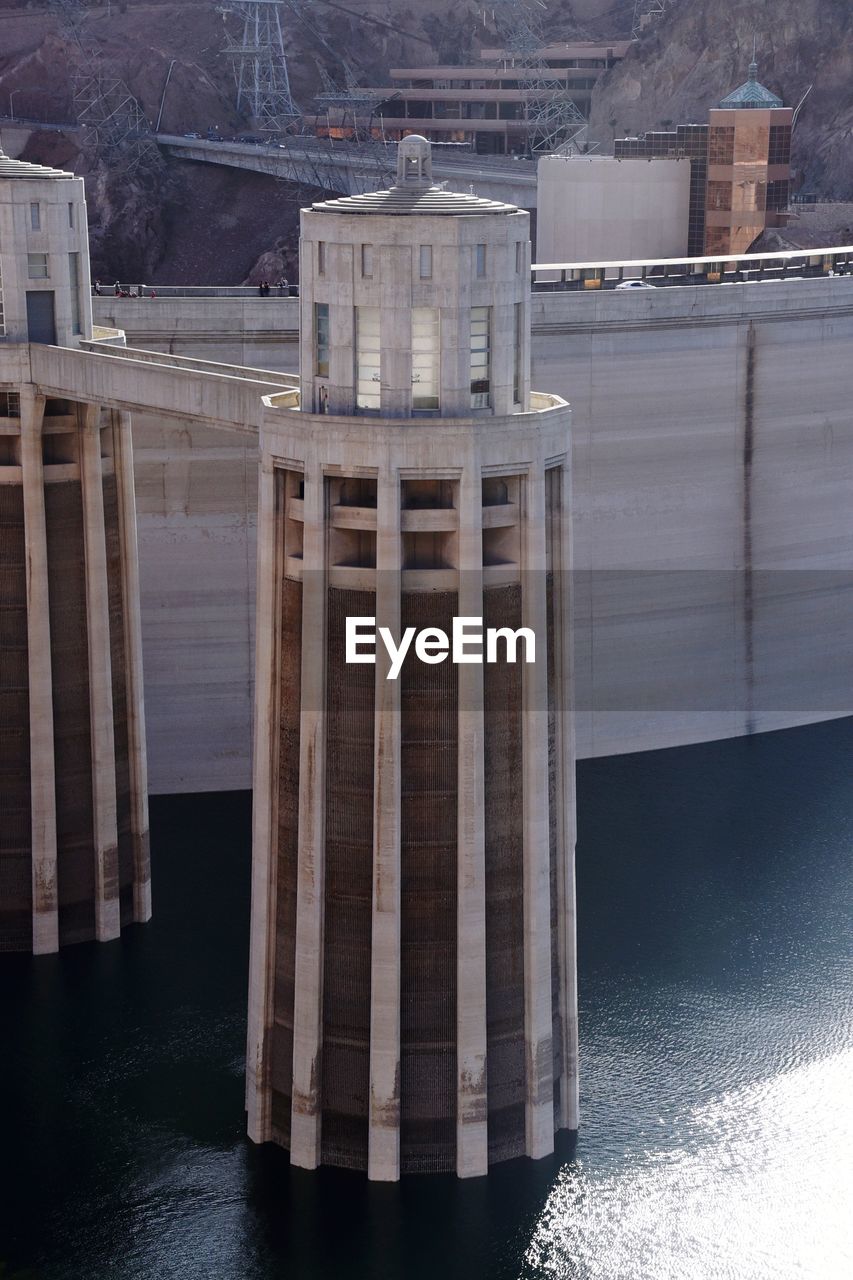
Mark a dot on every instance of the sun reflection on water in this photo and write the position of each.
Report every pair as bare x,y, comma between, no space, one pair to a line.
760,1190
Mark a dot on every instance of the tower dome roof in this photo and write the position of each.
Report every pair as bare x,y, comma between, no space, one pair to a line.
751,94
10,168
414,192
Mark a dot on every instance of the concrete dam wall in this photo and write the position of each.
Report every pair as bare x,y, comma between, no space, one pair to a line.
713,473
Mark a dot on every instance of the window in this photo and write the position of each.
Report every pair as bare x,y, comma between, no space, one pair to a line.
37,266
368,360
321,257
721,145
10,404
367,260
321,339
518,379
481,386
425,359
719,195
74,278
35,216
481,262
426,262
71,216
780,144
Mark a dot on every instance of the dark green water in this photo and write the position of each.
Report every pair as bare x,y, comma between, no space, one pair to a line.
716,998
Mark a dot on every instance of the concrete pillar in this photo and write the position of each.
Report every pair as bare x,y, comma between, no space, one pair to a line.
384,1119
566,809
42,773
538,1031
264,824
308,1009
123,453
472,1151
107,916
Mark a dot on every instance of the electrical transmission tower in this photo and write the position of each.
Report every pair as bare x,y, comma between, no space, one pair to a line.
117,131
553,118
260,64
646,12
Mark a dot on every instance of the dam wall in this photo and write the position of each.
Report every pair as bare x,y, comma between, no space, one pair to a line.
713,531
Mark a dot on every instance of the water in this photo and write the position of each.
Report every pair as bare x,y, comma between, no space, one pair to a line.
714,888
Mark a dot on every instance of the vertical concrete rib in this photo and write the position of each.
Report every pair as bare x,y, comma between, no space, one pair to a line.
131,597
264,810
107,917
566,823
538,1031
384,1119
42,771
472,1155
306,1113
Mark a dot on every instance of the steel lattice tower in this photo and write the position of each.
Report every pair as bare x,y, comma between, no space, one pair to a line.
646,11
260,64
555,119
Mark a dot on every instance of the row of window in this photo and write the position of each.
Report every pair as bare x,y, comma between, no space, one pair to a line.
425,259
36,218
426,356
38,268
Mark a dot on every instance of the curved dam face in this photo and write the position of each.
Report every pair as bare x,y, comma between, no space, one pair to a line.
713,540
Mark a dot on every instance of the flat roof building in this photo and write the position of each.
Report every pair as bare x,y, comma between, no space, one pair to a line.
489,105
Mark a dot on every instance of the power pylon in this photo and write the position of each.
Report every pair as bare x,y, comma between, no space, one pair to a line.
260,64
553,117
646,12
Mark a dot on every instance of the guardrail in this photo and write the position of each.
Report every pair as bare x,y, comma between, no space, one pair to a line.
160,291
663,272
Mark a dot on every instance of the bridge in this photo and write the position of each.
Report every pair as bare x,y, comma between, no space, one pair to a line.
354,169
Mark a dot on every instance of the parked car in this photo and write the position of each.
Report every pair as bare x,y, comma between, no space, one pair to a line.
634,284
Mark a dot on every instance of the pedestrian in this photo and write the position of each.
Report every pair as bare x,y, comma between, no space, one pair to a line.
283,287
97,288
261,289
117,288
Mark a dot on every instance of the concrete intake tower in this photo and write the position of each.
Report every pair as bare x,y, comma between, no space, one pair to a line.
73,783
413,982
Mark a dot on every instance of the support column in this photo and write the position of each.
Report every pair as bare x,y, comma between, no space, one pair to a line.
566,810
265,807
306,1114
42,771
132,609
107,917
384,1127
472,1148
538,1027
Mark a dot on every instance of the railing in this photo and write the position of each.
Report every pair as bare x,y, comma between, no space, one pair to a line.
157,292
663,272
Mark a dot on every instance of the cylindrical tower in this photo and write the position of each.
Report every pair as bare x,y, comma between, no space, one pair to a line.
73,785
413,992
